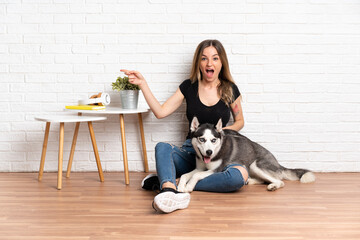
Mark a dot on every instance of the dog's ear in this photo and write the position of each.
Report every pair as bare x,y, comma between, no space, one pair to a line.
218,126
194,124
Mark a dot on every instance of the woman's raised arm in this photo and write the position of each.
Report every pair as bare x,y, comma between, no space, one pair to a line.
159,110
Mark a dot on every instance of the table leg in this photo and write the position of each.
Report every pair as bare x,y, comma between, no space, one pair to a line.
43,154
96,152
146,165
61,149
72,151
123,141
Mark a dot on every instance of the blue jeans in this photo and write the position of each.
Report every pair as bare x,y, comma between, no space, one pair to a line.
173,161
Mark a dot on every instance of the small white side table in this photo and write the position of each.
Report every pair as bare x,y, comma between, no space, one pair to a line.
121,112
63,119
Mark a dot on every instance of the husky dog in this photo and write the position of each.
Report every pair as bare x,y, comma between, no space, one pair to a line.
216,148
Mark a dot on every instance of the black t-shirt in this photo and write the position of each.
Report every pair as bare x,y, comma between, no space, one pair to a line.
205,114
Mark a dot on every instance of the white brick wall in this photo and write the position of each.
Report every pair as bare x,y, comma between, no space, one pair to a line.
297,64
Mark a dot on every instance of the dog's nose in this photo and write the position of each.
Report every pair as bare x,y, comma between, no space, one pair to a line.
208,152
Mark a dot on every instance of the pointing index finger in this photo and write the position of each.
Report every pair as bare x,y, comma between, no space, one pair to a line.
127,72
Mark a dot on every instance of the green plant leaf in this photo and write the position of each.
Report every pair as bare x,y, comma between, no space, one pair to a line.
122,83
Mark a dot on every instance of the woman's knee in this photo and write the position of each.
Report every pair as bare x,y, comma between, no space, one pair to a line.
162,146
243,172
236,181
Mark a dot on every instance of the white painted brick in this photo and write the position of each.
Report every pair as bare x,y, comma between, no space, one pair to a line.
132,18
196,19
118,8
278,88
179,68
37,18
57,68
118,28
10,18
71,78
12,137
5,108
85,8
182,28
262,59
214,28
54,28
165,18
341,147
104,58
89,88
22,28
70,39
4,49
68,18
21,87
88,49
54,8
350,157
277,107
13,58
102,39
21,8
4,68
248,50
41,77
39,58
25,68
5,147
43,97
88,68
70,58
247,28
86,28
24,48
13,157
56,48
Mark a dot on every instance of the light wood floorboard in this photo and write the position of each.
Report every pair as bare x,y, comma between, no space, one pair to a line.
86,208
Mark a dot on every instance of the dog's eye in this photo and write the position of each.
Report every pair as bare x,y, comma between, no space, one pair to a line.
202,140
213,140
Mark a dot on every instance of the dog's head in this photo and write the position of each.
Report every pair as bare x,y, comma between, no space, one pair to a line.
206,139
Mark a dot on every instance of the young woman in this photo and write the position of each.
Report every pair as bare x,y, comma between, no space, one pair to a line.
210,94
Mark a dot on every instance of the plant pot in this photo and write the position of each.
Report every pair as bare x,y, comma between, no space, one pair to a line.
129,99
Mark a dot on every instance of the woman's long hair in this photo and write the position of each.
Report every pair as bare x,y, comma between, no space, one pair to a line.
224,89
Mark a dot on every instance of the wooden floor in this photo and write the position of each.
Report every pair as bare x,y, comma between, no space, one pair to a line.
87,209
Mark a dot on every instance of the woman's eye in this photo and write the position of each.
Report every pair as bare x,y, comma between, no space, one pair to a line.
215,59
203,59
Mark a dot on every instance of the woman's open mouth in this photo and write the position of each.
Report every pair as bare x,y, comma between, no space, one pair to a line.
209,73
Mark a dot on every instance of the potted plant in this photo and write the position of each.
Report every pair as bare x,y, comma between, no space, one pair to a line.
129,93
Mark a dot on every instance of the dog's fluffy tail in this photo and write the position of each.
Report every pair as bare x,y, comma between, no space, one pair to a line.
304,175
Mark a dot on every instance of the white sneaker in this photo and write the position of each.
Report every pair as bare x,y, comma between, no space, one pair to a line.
169,200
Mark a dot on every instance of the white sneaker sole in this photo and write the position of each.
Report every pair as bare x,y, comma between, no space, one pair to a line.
168,202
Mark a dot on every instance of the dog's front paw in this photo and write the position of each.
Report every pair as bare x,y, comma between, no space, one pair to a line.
182,185
181,188
189,188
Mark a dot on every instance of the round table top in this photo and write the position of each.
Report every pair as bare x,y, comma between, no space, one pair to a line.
110,110
68,118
